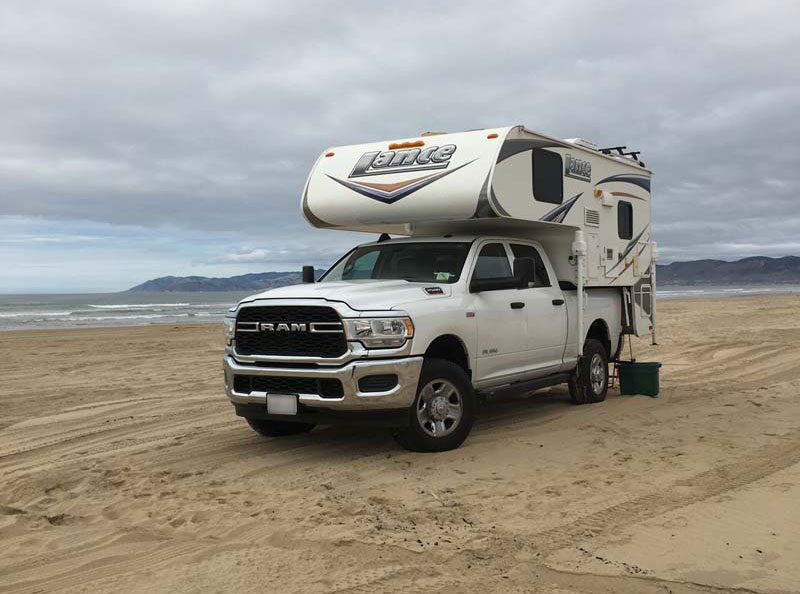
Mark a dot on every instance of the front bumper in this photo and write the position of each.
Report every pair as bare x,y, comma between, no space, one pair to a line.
402,395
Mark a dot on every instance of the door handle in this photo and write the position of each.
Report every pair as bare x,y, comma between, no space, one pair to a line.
558,302
517,305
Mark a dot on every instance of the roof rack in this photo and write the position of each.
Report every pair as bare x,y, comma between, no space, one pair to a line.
621,150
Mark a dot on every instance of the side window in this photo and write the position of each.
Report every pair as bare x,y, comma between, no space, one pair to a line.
548,176
492,262
528,251
624,220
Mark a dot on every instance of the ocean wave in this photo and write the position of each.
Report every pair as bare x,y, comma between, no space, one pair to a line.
82,319
146,305
28,314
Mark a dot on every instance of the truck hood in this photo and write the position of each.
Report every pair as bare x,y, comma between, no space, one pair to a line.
359,295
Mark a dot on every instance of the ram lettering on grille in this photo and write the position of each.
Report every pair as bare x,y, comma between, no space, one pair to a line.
305,331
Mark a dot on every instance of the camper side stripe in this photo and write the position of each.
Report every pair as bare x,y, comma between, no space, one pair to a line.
642,181
389,193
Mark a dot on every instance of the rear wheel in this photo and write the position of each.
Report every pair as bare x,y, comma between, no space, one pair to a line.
269,428
443,412
590,382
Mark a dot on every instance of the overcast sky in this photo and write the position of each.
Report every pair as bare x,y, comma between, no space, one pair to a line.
141,139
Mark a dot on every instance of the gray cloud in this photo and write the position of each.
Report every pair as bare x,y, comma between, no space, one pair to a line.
208,118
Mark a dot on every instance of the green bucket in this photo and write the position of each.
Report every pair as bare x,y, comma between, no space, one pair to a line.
638,378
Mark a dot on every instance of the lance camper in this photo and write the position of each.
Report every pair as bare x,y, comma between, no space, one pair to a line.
506,260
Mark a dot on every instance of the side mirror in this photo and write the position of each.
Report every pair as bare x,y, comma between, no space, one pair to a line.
308,274
478,285
525,272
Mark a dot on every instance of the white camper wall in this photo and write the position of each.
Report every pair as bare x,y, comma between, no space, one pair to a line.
487,181
613,259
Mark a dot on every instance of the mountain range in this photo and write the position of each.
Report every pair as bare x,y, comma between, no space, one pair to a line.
754,270
758,269
256,281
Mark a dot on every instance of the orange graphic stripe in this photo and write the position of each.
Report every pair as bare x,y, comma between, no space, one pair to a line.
626,195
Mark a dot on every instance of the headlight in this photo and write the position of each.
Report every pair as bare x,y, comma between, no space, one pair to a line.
230,328
380,333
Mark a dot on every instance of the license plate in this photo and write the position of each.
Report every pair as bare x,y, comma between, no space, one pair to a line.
282,404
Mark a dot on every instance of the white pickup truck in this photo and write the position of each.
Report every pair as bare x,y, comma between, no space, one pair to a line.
409,332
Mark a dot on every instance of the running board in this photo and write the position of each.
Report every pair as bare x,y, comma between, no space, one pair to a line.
528,385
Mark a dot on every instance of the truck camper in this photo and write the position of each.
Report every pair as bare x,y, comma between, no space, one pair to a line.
506,260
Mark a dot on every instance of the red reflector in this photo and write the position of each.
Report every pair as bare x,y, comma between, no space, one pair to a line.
470,314
329,154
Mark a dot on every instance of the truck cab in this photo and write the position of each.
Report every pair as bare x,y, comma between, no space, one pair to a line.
478,292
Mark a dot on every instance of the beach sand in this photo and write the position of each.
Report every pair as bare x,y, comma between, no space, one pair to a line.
123,469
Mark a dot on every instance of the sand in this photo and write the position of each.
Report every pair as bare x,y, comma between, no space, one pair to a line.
123,469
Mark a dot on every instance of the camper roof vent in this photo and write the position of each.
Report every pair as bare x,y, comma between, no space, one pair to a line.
582,142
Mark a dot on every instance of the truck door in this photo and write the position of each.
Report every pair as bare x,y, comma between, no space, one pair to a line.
500,322
546,315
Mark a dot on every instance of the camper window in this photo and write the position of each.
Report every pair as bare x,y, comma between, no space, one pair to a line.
528,251
492,263
548,176
624,220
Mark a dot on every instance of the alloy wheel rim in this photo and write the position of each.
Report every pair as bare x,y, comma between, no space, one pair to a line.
439,408
597,374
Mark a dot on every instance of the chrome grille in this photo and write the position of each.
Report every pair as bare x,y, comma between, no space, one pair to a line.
287,331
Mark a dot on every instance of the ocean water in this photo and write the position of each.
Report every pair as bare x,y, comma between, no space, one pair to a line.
718,291
112,309
131,309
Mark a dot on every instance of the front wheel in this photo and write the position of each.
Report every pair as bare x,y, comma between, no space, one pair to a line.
443,412
589,383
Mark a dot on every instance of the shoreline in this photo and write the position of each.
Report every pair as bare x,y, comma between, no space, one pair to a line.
743,294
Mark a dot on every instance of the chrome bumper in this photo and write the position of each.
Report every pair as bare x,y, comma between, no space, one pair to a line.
401,396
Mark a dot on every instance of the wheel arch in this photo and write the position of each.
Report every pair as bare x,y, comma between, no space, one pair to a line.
598,330
450,347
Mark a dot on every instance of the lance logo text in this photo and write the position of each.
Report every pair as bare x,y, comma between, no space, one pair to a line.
398,161
577,168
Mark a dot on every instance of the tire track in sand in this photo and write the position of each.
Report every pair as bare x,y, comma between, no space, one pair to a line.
757,465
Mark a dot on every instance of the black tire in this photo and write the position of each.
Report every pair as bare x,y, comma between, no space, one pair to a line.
441,384
269,428
584,388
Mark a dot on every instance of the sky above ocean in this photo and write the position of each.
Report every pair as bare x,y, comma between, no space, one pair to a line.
160,138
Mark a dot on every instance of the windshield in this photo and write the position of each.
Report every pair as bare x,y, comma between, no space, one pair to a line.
437,262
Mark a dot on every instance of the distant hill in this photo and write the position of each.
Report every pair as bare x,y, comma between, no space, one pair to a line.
257,281
758,269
